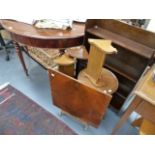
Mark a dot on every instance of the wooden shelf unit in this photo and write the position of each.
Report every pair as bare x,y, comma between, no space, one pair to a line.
135,51
121,41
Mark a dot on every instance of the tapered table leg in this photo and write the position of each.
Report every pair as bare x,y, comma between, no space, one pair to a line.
21,58
127,113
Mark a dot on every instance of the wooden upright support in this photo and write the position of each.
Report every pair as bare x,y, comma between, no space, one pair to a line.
98,50
98,76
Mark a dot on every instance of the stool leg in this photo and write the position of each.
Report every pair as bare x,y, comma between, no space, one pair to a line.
20,55
127,113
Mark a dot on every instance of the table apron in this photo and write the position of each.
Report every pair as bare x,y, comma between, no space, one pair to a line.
48,43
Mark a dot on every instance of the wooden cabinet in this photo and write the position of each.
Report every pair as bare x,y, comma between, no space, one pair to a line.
135,47
85,103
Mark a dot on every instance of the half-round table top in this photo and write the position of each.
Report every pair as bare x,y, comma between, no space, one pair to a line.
45,38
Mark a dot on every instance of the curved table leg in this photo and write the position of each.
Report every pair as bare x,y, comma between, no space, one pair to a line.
21,58
127,113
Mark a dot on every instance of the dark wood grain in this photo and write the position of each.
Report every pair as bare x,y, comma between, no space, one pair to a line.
77,99
44,38
136,34
122,41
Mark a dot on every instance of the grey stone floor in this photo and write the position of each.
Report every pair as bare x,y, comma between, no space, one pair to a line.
36,87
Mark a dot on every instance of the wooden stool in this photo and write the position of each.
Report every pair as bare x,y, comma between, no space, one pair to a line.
95,75
66,64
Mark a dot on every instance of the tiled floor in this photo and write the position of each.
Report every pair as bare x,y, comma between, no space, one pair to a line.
36,86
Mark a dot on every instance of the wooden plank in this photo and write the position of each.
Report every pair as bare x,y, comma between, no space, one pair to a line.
134,33
126,43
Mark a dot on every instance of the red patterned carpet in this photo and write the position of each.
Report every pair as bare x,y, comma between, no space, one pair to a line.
19,115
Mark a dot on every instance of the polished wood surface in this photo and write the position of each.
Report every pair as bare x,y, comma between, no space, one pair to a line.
77,99
122,41
144,101
109,83
135,47
28,35
44,38
136,34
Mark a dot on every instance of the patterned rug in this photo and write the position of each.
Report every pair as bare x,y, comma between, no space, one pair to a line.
19,115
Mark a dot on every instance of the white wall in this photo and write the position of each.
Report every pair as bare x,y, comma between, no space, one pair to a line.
151,25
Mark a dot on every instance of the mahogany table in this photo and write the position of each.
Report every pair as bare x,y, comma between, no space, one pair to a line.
43,38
